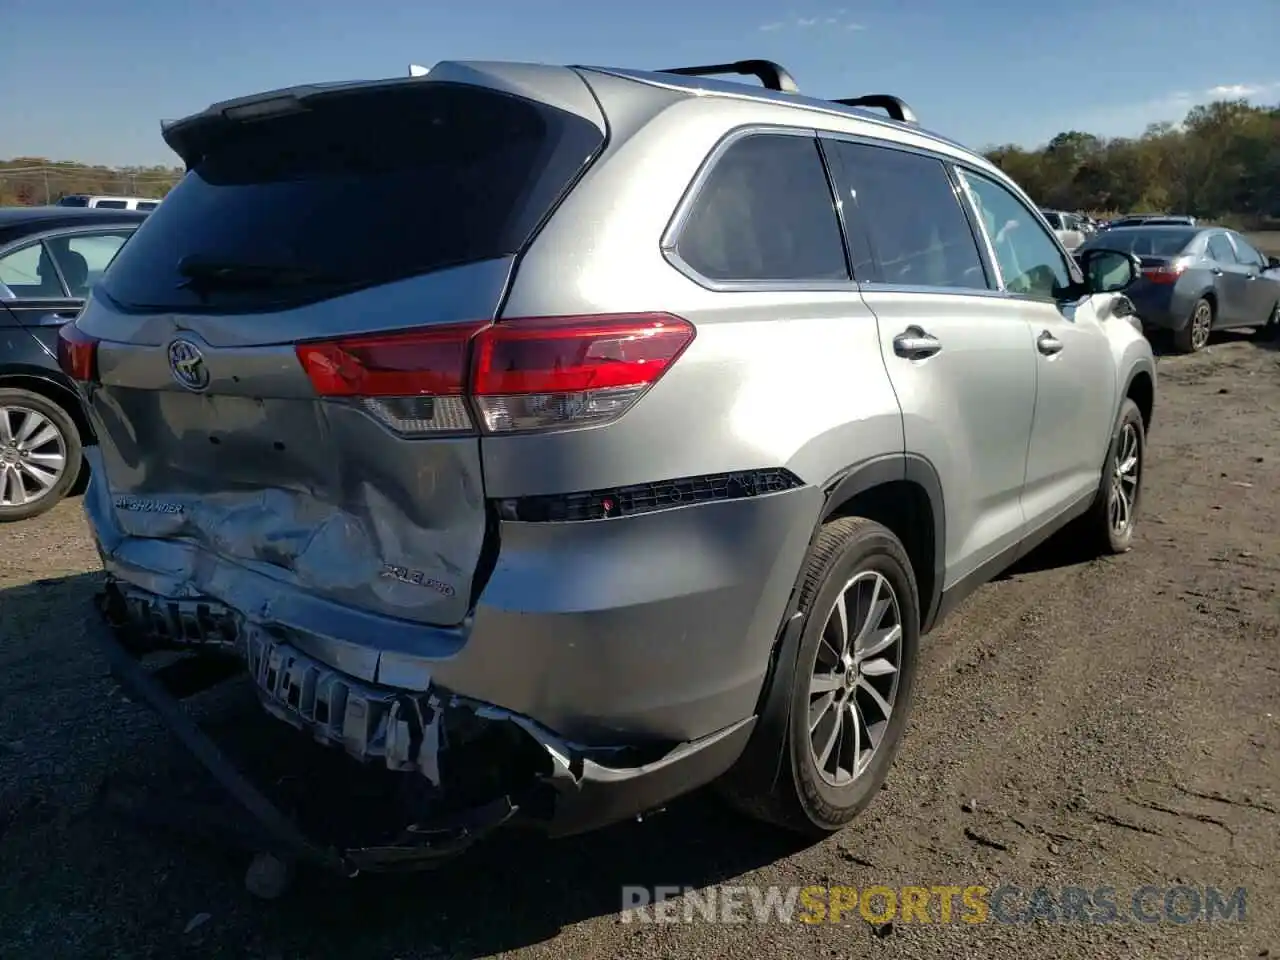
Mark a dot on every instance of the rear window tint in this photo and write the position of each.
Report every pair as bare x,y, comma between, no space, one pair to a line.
1146,243
361,188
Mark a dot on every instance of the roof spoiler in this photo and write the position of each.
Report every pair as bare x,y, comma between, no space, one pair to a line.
774,76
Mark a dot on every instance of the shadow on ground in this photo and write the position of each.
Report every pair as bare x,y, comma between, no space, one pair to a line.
1162,344
512,890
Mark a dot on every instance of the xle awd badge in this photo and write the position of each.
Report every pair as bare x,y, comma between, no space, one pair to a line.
187,365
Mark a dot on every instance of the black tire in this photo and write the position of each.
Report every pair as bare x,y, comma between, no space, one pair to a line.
1194,336
1097,523
800,799
1270,331
14,399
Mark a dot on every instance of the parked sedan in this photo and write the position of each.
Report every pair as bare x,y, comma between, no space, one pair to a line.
1070,228
1196,280
50,258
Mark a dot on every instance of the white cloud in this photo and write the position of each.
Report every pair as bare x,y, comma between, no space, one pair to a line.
806,23
1237,91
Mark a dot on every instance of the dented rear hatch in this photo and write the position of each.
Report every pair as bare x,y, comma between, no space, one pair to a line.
308,218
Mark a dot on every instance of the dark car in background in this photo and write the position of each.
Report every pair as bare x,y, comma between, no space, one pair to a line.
1196,280
50,258
1152,220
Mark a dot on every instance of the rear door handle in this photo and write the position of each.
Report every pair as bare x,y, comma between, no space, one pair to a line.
915,344
1048,344
1217,272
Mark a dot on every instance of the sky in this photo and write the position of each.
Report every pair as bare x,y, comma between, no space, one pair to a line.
89,80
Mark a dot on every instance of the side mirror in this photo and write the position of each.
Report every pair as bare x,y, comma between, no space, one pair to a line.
1108,271
1273,263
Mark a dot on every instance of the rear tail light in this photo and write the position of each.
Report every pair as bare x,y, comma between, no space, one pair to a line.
1165,273
77,353
530,374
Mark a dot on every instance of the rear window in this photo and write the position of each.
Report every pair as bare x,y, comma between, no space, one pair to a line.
73,202
361,188
1145,243
112,205
145,205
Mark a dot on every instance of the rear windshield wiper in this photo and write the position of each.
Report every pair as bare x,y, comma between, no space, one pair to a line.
204,273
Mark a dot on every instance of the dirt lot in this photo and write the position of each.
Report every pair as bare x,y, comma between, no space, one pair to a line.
1106,722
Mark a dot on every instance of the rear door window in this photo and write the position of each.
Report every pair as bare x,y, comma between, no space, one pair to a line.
765,213
361,187
28,273
83,258
112,204
907,206
1220,249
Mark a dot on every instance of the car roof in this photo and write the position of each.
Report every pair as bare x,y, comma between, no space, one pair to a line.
1162,228
19,221
513,74
10,216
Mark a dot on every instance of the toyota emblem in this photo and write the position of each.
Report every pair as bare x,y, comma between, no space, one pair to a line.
186,362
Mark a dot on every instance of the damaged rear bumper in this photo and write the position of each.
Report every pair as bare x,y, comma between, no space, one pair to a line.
481,766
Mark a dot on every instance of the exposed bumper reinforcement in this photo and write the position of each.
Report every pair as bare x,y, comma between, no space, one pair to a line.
584,793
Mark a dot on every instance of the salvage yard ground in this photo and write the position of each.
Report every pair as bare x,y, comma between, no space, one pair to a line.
1080,722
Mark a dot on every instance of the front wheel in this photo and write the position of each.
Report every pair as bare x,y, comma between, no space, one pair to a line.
40,454
852,686
1109,524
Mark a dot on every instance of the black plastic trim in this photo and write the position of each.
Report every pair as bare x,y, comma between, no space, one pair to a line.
772,76
643,498
896,107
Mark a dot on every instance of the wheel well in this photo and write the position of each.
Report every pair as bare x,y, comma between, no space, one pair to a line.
1142,392
904,507
1212,298
55,393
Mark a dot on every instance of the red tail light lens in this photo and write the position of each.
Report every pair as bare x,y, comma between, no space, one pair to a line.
77,353
430,362
524,374
1166,274
571,371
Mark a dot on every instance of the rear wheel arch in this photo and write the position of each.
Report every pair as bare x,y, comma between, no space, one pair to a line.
903,493
53,391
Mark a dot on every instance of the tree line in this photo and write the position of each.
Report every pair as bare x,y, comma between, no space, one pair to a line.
32,181
1222,162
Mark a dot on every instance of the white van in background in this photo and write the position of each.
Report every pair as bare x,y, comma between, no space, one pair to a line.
108,203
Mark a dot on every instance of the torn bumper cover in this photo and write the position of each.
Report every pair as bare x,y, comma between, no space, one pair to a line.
481,767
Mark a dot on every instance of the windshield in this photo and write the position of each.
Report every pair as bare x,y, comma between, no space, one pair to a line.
1160,242
362,188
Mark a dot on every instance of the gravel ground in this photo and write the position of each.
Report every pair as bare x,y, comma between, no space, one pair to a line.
1079,723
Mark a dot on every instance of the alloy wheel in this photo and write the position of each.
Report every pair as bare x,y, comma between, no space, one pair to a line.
1124,481
1201,323
33,456
854,683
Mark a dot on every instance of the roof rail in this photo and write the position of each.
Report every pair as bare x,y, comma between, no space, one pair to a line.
771,75
896,107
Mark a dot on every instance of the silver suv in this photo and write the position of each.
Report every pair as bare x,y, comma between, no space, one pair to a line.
567,438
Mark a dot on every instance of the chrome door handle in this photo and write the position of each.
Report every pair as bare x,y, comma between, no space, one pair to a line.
1217,272
1048,344
915,344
